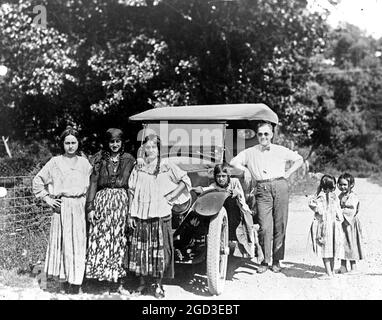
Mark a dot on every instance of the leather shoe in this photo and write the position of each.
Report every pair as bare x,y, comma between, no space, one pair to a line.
262,268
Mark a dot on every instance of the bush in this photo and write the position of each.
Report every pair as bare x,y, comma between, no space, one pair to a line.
25,158
355,162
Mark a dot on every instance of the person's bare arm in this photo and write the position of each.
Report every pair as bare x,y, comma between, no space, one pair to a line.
173,194
236,162
296,164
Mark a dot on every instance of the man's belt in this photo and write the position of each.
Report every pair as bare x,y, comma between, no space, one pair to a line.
270,180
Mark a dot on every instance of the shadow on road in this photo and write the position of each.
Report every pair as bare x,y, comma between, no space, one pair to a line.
193,278
301,270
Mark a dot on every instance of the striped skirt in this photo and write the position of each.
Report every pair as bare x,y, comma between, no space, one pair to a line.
107,239
65,255
151,250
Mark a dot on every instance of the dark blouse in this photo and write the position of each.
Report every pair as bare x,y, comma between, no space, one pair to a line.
106,175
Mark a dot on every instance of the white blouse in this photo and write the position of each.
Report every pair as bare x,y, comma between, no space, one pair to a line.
149,191
57,178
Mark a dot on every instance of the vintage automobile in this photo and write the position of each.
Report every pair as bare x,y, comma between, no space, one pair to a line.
197,138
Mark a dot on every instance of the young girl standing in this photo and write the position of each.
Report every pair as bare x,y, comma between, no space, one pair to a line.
325,230
351,226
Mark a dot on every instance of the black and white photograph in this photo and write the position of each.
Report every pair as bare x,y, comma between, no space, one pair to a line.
203,151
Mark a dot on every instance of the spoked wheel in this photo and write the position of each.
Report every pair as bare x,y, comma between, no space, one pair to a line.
217,252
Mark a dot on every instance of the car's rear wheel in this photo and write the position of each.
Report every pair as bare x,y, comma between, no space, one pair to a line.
217,252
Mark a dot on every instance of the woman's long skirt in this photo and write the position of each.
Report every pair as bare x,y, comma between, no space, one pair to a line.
353,241
151,250
65,255
107,238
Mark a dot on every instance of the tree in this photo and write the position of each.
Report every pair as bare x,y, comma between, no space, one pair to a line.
174,52
347,125
39,61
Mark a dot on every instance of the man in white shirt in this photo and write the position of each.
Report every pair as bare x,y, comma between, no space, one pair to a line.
265,163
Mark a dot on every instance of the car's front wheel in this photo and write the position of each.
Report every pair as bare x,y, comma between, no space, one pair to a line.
217,252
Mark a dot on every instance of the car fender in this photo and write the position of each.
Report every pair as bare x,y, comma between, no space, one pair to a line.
210,202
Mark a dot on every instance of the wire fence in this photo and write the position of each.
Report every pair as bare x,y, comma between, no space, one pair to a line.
24,224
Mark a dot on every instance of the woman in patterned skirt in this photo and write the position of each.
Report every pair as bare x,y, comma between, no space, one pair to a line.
107,207
62,183
153,189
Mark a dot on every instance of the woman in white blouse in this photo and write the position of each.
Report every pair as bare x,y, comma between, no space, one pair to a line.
153,190
62,183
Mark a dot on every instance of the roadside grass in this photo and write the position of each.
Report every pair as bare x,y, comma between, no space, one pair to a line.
306,185
13,278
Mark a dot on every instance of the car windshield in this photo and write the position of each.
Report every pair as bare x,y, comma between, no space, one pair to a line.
190,143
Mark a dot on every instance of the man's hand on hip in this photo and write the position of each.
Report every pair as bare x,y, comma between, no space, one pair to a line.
247,176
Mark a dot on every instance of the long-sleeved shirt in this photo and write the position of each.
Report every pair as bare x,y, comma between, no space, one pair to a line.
149,192
58,178
107,175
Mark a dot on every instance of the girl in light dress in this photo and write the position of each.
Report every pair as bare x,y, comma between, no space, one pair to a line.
62,183
325,231
352,231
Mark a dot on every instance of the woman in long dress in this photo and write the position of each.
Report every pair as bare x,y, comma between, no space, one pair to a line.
153,190
62,183
107,207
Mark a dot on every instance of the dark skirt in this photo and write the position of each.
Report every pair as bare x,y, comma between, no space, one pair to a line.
150,248
353,241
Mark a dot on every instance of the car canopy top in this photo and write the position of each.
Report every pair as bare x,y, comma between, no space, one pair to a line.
218,112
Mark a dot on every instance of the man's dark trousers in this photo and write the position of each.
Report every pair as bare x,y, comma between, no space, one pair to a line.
272,199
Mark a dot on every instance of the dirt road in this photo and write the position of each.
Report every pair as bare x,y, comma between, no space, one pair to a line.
298,279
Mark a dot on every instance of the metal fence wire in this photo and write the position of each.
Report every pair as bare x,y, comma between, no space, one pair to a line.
24,224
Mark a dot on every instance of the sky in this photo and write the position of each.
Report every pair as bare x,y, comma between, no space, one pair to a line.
366,14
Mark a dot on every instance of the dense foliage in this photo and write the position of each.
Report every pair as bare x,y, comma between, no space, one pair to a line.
100,61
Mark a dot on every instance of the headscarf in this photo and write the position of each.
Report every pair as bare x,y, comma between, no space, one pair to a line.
114,133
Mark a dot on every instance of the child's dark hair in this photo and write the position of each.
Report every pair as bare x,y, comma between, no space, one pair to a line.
156,140
327,182
221,168
349,178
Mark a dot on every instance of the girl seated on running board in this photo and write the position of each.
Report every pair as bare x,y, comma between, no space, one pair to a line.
246,231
